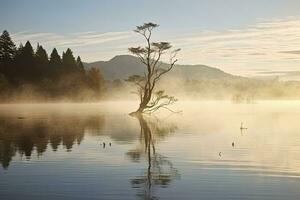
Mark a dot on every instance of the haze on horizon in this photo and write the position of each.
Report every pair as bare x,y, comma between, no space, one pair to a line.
253,38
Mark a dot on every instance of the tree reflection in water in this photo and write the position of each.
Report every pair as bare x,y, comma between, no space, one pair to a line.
28,135
160,171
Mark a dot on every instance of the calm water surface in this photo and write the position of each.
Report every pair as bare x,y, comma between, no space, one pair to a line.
97,151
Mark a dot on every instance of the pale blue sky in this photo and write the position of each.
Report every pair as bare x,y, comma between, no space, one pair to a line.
242,37
65,16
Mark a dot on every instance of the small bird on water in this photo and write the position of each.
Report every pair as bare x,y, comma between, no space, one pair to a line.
242,128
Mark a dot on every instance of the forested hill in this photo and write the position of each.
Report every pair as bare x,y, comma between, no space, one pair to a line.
122,66
199,81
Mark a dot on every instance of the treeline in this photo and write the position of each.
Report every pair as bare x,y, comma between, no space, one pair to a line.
27,74
235,89
238,90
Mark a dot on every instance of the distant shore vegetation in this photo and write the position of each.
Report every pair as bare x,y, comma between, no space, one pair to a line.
32,74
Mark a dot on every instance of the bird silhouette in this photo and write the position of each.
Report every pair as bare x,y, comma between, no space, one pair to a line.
242,127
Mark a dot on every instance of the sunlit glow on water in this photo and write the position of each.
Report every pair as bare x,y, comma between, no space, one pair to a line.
97,151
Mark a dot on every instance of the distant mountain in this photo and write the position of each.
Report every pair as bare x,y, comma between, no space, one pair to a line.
122,66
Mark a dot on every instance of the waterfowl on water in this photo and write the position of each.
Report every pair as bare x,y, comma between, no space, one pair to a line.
242,128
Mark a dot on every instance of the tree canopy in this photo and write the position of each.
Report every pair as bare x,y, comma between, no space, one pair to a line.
7,48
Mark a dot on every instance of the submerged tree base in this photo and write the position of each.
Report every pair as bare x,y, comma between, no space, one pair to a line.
136,114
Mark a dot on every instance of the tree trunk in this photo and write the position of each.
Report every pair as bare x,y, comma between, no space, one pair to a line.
140,110
142,107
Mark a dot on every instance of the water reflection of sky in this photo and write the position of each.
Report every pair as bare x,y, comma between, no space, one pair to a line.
59,150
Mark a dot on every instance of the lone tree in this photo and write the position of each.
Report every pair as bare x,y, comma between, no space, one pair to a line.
150,99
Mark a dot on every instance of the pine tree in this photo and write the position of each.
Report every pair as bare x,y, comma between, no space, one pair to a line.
79,64
41,60
7,48
55,64
41,54
7,52
19,53
13,73
25,64
55,59
69,63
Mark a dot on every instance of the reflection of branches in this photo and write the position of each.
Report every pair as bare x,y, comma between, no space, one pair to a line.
160,171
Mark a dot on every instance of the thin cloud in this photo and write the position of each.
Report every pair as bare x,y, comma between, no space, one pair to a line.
238,51
267,44
297,52
87,42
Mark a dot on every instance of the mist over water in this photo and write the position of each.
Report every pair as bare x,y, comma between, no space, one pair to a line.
92,151
199,100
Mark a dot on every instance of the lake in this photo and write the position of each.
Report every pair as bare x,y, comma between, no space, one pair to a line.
98,151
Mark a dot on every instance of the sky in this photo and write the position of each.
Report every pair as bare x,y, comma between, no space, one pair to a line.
243,37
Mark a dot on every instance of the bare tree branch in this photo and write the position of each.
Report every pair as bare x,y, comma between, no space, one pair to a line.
151,56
